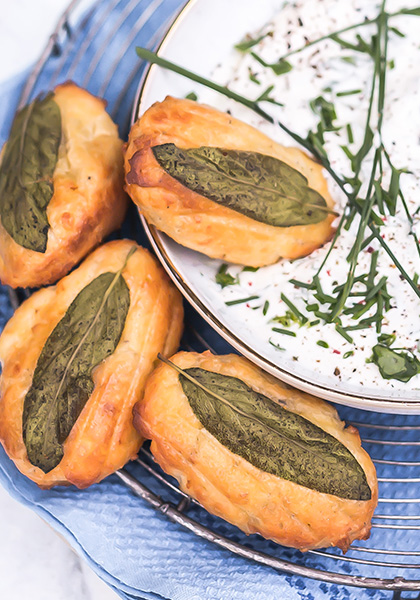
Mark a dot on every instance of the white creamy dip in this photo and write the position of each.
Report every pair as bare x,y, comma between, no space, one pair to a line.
327,70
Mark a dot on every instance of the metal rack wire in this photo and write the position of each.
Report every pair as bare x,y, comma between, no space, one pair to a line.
94,47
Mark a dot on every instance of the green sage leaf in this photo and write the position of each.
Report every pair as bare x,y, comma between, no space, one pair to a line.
26,172
270,437
259,186
394,364
62,383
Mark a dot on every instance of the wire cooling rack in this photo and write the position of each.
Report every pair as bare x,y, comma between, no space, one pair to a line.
93,45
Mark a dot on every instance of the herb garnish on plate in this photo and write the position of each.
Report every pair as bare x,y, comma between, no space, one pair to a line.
364,297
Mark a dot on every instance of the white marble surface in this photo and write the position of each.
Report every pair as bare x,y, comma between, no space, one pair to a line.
25,26
35,563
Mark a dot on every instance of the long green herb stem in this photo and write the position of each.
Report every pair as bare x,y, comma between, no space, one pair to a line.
328,36
153,58
379,73
375,195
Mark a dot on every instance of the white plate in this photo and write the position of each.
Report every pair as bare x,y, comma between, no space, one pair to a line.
199,39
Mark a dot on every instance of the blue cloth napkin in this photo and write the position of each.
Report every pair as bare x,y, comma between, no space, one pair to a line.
136,550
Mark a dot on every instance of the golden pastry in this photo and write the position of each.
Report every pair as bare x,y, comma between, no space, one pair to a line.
247,455
76,357
219,186
61,177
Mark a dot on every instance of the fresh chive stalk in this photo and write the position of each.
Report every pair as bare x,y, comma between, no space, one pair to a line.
377,196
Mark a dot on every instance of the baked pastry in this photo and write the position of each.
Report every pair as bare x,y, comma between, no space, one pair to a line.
76,357
219,186
310,485
61,178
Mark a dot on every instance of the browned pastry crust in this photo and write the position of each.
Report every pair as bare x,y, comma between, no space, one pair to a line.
232,488
103,438
197,222
88,201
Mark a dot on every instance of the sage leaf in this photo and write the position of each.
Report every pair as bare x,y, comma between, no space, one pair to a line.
394,364
62,383
26,172
259,186
271,437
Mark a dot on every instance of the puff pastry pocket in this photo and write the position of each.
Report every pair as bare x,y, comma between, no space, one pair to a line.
61,186
219,186
267,458
75,360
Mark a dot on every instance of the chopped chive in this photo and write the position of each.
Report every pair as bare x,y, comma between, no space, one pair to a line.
348,354
284,331
367,241
375,289
301,284
249,43
358,279
276,346
348,59
397,32
362,325
362,45
250,269
252,77
387,339
265,307
223,278
313,323
343,333
348,152
348,93
279,68
287,319
265,97
241,300
372,270
324,298
322,315
349,133
326,111
322,344
357,310
192,96
302,319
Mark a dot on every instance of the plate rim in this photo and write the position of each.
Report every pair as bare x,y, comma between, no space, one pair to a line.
378,403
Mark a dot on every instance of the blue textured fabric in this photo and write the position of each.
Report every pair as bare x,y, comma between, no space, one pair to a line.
136,550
